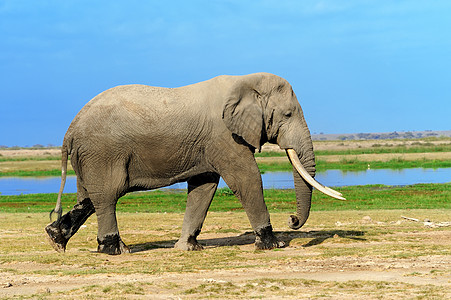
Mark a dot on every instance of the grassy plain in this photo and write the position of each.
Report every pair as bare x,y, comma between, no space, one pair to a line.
363,248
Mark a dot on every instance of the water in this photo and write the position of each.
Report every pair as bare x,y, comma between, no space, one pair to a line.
278,180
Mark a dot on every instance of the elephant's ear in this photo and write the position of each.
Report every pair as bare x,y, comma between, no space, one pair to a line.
243,114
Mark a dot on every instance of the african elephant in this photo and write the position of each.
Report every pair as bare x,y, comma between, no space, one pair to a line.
137,137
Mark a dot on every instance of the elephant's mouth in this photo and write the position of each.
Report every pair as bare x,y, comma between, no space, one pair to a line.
294,159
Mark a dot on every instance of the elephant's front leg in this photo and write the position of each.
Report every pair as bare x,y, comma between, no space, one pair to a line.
201,190
244,178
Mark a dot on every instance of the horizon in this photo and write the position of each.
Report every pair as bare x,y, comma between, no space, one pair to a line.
371,67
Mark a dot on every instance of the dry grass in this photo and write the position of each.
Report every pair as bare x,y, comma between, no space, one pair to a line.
339,255
31,165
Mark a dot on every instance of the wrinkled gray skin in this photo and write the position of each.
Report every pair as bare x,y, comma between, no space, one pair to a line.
137,137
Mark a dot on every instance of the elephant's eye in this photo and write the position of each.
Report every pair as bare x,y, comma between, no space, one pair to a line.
287,114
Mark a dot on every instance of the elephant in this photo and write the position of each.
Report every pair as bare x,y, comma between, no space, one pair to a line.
138,137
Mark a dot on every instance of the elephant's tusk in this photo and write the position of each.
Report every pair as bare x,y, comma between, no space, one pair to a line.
303,172
332,190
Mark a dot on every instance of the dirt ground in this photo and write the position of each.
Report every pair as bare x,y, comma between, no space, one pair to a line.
336,255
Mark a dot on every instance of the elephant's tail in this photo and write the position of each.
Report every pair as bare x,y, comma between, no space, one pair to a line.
58,208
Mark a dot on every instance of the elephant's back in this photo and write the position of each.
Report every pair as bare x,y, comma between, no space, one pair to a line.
130,113
118,106
128,96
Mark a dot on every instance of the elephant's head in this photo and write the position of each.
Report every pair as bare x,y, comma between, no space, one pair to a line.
263,107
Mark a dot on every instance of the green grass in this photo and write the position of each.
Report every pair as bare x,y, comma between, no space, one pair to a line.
40,173
32,158
370,197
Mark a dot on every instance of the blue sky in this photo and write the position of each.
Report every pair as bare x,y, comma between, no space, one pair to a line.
356,66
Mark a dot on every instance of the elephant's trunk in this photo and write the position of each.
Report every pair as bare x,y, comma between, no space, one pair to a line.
303,174
297,142
303,160
303,202
303,193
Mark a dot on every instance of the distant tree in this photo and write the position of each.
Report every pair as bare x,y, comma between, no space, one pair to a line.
408,135
393,135
364,136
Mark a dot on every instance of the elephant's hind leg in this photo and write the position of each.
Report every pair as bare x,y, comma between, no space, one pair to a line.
104,199
60,231
201,190
108,236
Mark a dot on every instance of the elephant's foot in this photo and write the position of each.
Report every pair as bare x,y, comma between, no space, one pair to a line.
56,237
112,245
60,231
189,244
266,240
